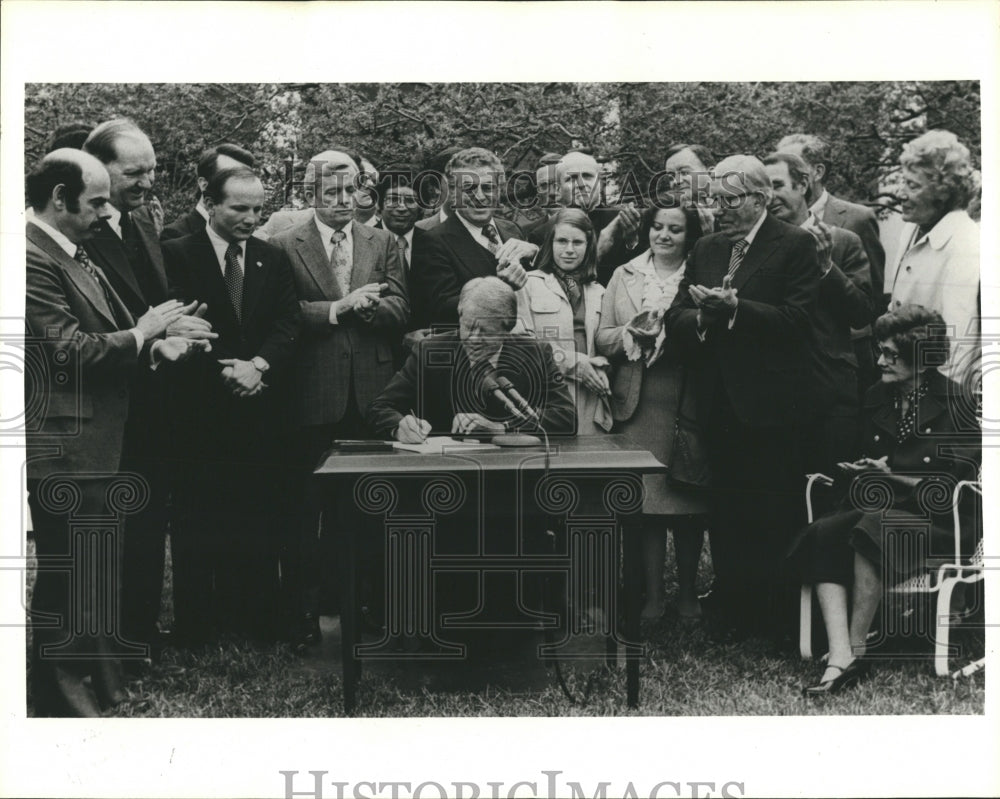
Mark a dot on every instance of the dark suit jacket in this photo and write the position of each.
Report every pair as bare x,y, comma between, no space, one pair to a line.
107,251
763,362
191,222
79,401
450,258
618,254
352,357
208,417
429,222
438,380
861,221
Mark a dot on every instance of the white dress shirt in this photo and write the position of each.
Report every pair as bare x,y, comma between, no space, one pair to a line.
326,236
220,245
476,231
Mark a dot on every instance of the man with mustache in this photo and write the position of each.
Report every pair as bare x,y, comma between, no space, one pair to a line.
75,434
231,417
127,248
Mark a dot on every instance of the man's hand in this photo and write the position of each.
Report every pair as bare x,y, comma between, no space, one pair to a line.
465,423
155,321
363,301
866,465
241,377
412,430
509,257
193,326
716,302
177,348
591,373
824,244
513,274
627,223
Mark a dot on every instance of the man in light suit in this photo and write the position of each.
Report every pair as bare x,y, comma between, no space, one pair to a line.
845,300
222,156
472,242
231,417
81,327
743,314
127,248
351,288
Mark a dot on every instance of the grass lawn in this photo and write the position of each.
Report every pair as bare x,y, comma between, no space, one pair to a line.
684,673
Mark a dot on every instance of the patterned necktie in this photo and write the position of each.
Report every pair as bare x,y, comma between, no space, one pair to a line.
83,259
403,247
233,275
739,250
340,263
490,232
125,224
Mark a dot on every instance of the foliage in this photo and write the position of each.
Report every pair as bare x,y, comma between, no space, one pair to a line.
632,124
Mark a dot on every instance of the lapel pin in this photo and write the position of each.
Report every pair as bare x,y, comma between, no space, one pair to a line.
259,264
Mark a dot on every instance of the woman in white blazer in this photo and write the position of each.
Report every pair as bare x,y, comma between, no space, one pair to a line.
561,303
646,394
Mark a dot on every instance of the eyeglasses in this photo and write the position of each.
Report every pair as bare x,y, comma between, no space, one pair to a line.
889,356
727,200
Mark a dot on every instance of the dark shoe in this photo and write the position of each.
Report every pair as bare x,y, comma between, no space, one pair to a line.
850,675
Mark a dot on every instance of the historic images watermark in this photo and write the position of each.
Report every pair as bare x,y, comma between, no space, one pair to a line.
548,785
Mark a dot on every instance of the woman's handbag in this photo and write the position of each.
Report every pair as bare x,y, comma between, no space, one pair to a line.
688,461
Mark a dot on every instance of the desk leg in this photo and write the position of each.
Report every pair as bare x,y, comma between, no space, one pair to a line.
632,575
347,535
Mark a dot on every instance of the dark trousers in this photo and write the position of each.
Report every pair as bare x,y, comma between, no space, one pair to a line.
308,556
225,550
756,507
76,644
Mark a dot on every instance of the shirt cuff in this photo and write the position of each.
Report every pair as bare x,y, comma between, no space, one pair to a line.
140,339
333,312
701,331
732,319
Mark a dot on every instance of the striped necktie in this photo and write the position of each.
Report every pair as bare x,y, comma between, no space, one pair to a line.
340,263
736,258
83,259
491,234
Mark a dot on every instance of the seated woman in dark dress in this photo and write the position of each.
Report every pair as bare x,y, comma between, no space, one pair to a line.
921,437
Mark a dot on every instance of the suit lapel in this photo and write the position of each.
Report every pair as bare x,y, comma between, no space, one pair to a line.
633,288
143,223
254,265
310,250
364,254
764,244
83,282
108,252
203,254
474,258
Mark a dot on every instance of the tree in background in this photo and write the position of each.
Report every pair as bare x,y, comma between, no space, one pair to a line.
627,124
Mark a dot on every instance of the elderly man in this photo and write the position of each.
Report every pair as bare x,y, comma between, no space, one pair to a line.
351,288
937,262
472,242
744,315
845,300
81,327
579,177
444,385
222,156
127,248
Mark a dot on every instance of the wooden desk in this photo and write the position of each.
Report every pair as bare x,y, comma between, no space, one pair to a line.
601,536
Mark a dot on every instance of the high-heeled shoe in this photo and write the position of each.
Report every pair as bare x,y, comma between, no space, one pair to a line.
850,675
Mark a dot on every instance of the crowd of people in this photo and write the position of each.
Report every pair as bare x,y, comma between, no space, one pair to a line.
742,324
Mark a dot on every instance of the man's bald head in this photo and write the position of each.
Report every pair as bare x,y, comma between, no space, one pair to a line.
579,177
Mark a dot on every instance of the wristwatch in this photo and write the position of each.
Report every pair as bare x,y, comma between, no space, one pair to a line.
260,364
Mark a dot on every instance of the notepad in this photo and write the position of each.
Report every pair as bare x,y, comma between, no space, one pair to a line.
442,445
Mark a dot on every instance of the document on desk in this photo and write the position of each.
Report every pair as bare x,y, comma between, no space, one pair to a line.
438,445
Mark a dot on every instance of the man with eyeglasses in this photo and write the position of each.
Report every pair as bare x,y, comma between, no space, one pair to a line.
744,313
473,241
351,287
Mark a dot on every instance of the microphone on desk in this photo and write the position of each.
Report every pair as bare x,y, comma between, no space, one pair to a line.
508,388
522,410
492,386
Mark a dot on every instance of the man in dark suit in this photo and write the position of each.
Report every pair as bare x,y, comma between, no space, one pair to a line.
127,248
743,314
351,289
222,156
443,379
579,176
75,430
845,300
231,416
434,190
471,242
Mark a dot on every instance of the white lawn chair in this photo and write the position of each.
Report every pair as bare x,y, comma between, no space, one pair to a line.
941,581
